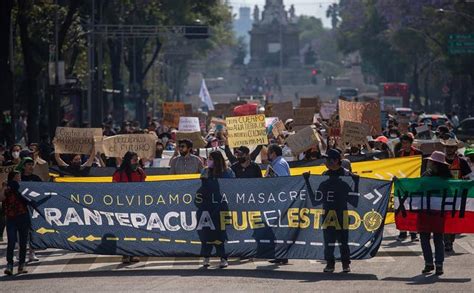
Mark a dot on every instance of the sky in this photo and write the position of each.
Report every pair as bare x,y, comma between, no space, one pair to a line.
316,8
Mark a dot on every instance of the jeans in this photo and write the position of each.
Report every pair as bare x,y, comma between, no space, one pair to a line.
426,247
206,250
330,237
20,226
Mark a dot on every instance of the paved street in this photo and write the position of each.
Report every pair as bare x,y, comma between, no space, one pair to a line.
396,267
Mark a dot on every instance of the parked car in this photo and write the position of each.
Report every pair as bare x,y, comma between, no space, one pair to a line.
348,93
465,130
404,111
435,119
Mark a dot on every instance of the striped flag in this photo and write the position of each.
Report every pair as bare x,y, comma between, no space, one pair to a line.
433,204
205,97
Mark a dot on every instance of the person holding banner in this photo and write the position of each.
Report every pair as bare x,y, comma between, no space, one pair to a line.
407,150
185,163
459,169
75,166
335,169
17,220
129,171
216,168
436,167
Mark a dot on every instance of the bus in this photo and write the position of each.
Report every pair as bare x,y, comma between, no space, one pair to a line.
394,94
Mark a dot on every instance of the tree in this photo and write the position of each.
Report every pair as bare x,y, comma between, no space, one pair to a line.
333,13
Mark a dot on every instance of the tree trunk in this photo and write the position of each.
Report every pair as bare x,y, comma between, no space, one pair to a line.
32,70
6,76
415,86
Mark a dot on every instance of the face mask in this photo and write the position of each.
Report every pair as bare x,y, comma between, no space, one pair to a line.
393,135
16,155
210,164
242,160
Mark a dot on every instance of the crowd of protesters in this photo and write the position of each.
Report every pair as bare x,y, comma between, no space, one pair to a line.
240,163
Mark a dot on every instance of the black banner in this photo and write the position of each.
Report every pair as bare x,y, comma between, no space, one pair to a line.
301,217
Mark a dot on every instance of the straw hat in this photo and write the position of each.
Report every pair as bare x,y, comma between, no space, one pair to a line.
438,157
450,142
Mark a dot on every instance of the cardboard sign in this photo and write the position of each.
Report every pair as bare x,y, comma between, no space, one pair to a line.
4,170
246,130
171,113
195,137
428,146
302,140
70,140
304,116
188,109
278,128
41,169
403,124
355,133
361,112
189,124
327,110
283,110
311,103
142,144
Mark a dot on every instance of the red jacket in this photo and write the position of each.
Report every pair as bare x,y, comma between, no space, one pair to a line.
136,176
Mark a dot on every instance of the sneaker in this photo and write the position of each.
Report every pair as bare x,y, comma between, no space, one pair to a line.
134,259
415,238
32,257
21,270
439,270
448,248
427,269
9,270
279,261
125,259
206,262
329,268
346,268
223,263
401,237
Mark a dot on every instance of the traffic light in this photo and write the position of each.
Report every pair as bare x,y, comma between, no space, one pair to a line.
314,73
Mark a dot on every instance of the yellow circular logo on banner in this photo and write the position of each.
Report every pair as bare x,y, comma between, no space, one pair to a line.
372,221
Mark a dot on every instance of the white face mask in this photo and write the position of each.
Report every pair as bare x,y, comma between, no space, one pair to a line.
15,155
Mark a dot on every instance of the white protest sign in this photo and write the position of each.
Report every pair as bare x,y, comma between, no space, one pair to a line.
302,140
189,124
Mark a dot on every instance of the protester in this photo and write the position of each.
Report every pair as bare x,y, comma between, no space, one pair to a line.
278,168
185,163
129,171
26,167
278,165
436,167
13,158
216,168
459,169
335,169
75,166
245,167
17,221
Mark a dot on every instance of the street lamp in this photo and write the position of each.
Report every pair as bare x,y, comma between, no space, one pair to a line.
442,11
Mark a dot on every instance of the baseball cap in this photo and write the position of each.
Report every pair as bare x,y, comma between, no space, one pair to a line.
332,154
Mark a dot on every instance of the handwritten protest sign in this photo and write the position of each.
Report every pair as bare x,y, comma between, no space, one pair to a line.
195,137
361,112
189,124
304,116
278,128
428,146
70,140
302,140
327,110
283,110
142,144
171,113
4,170
314,102
188,109
246,130
355,133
